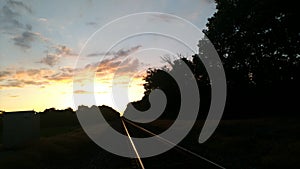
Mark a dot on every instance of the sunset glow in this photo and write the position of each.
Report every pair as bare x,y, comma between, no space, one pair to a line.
40,50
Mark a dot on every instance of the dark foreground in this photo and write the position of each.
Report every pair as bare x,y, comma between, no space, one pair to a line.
248,143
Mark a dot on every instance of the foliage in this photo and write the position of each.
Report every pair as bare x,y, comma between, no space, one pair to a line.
258,41
162,79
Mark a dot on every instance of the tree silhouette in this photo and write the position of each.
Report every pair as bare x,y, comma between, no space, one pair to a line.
258,42
162,79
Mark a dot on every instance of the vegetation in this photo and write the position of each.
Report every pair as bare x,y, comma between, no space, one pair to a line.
247,143
251,143
63,144
258,43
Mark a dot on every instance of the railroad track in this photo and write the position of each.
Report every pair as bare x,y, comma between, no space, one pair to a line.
177,157
188,157
140,163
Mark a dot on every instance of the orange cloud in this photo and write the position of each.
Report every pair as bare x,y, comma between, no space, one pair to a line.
116,66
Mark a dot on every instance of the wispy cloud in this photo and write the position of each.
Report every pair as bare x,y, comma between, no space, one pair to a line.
120,53
13,96
161,17
20,83
87,92
34,82
63,50
129,66
37,77
43,77
52,59
116,64
33,72
4,74
11,83
81,92
113,65
9,19
19,31
94,24
24,40
10,13
60,76
19,5
42,19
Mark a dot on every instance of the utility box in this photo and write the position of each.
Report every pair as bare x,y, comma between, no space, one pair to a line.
20,128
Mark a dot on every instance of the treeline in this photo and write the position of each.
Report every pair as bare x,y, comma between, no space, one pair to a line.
68,116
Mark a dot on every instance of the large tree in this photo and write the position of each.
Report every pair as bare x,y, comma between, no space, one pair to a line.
161,79
258,40
259,44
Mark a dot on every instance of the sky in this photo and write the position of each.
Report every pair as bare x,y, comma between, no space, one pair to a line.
63,53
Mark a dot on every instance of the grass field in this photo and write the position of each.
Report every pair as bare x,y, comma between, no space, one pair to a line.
249,143
252,143
61,142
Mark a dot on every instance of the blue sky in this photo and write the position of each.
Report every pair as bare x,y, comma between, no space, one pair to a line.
40,42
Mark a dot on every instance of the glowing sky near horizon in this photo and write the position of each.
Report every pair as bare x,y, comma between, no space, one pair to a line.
40,42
